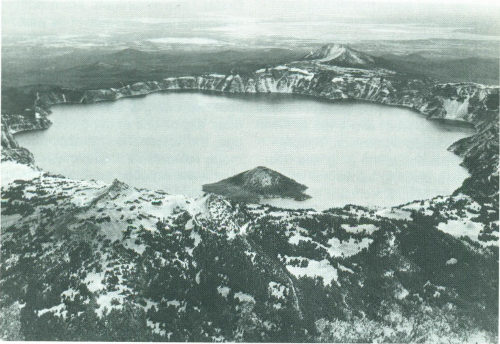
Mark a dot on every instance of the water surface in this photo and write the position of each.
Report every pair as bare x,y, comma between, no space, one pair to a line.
356,153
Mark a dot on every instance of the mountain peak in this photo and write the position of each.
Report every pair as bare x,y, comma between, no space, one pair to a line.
340,55
259,182
262,176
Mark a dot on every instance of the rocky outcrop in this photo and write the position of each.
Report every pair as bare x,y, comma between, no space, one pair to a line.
17,123
11,149
260,182
480,153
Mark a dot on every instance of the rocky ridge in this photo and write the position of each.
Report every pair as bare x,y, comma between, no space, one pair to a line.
11,149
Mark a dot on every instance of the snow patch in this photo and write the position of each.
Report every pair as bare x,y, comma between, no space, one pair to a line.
347,248
277,290
334,51
155,327
297,237
455,109
224,291
105,301
394,213
11,171
315,269
459,228
401,293
244,297
243,229
369,228
197,240
346,269
451,261
93,280
58,310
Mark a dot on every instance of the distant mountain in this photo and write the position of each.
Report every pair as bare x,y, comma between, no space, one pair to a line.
104,68
471,69
413,57
341,55
259,182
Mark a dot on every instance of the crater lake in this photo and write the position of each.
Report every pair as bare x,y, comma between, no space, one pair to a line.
346,153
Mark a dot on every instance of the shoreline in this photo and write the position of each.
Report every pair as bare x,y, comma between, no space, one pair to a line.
319,98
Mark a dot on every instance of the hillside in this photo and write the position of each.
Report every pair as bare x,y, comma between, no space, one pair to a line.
133,264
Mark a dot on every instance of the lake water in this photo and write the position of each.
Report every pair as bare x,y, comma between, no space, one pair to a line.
356,153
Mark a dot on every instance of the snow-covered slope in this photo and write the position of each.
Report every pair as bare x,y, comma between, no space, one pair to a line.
84,260
341,55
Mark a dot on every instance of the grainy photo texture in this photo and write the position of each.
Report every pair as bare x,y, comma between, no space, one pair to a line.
250,171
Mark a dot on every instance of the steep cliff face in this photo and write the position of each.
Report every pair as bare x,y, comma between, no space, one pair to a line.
17,123
480,153
471,103
11,149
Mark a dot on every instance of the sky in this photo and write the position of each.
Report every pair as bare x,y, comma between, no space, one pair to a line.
255,17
